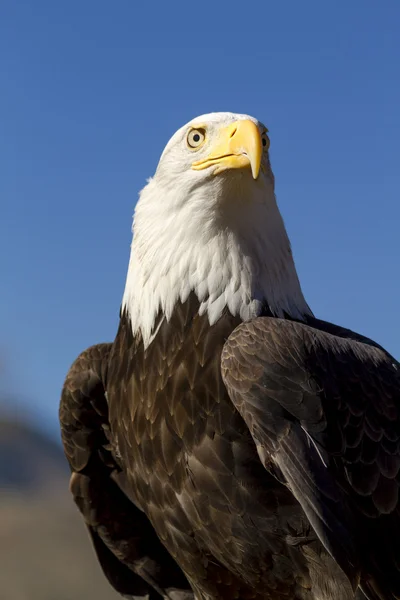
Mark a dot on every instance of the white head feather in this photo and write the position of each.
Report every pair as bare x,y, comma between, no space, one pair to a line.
220,236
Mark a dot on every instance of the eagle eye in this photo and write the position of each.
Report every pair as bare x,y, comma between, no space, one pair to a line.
265,140
195,138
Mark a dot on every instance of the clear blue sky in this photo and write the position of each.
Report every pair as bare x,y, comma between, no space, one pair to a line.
91,90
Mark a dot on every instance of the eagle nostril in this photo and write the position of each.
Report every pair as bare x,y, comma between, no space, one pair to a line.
233,132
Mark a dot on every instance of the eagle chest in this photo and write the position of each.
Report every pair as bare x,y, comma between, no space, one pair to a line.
178,419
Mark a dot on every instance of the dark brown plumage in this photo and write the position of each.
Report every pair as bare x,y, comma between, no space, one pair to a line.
132,558
324,408
187,453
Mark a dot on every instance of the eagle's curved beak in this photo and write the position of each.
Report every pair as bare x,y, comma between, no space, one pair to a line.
238,145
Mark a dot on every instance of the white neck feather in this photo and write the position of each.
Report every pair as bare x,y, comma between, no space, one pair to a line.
180,246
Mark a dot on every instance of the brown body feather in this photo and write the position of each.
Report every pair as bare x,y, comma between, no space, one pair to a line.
194,470
211,500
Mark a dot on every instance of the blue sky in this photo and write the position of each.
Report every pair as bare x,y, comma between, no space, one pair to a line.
92,90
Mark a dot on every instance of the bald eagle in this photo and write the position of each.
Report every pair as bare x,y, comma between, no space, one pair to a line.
227,443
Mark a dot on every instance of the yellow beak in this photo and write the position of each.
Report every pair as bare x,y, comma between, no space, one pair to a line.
238,146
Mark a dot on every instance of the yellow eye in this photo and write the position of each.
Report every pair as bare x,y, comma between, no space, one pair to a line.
195,138
265,141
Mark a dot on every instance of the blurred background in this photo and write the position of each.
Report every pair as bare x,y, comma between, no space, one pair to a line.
90,92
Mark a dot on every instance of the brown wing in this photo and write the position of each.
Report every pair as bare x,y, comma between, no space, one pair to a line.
324,411
128,549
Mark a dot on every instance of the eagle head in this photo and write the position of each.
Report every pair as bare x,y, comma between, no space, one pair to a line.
207,222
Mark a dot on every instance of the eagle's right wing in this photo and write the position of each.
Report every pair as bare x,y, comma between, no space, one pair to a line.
131,555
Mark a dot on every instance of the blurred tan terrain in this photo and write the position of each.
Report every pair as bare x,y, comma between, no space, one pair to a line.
45,552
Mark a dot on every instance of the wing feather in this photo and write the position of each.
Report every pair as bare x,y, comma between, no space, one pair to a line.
131,555
324,410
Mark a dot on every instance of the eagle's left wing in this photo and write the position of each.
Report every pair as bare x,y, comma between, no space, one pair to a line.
324,412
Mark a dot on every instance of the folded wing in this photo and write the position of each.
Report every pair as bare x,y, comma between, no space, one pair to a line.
324,411
131,555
